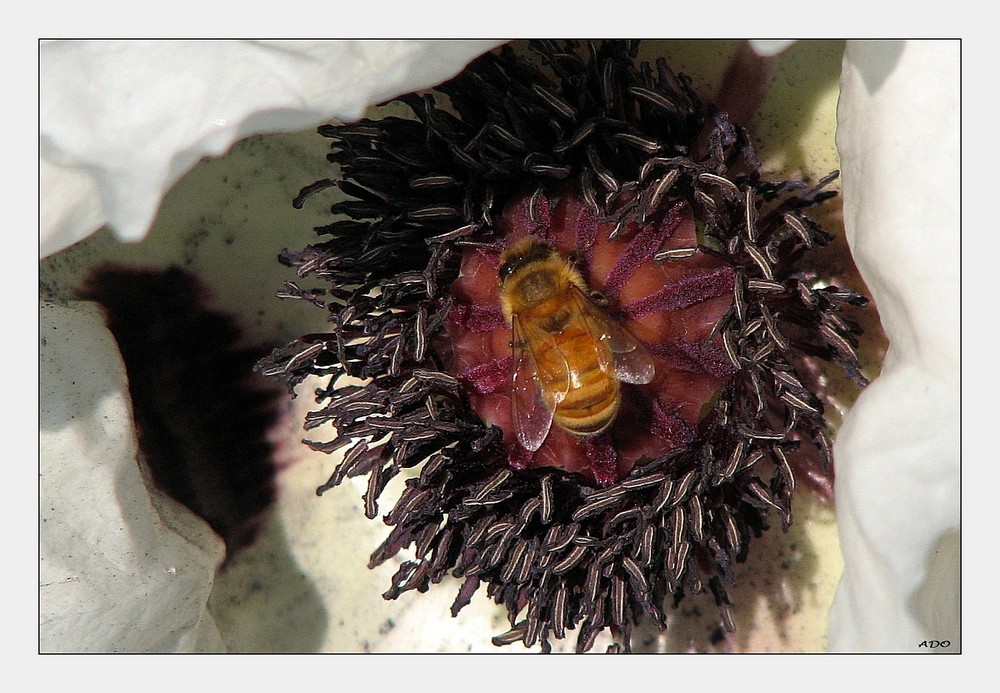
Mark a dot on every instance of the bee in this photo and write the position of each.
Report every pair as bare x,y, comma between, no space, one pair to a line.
570,357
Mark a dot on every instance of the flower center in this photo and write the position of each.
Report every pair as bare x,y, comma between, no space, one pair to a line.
647,276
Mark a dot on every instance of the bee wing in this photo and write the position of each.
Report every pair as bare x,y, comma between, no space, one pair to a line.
623,357
532,407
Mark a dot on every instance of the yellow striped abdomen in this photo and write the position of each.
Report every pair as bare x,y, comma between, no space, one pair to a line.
591,402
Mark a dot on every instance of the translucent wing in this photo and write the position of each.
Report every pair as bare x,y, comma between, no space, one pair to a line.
623,357
532,405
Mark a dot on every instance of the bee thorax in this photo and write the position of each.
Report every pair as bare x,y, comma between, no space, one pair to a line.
557,321
536,287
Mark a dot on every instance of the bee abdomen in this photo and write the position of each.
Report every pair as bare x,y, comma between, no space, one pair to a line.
590,408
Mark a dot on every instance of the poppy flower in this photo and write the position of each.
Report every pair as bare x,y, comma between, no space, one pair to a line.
859,611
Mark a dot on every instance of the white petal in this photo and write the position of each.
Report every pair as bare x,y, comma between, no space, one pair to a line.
898,450
121,568
126,119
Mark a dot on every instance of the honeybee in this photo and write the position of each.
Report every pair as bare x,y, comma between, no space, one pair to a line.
569,356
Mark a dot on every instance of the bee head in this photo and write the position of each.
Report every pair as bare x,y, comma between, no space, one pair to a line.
522,253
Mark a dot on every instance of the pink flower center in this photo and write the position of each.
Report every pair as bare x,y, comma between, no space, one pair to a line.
670,301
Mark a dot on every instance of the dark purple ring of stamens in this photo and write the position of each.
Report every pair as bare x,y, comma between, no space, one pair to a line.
558,551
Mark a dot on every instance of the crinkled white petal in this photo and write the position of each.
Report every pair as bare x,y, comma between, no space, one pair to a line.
898,450
122,568
121,121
